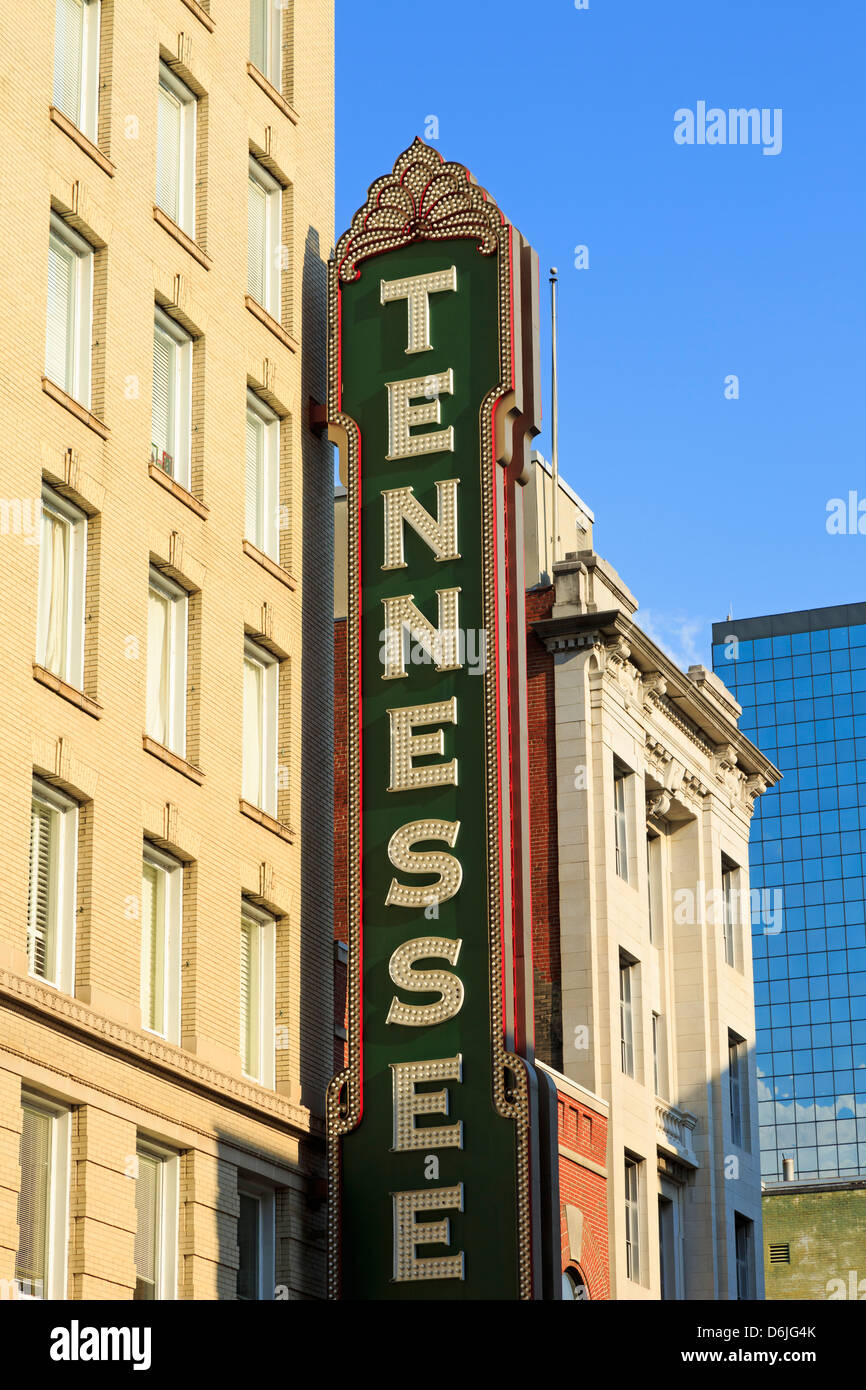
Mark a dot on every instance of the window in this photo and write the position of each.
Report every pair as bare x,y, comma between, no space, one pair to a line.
729,913
738,1085
161,925
43,1201
619,820
156,1203
262,477
264,255
60,616
76,63
166,662
175,150
632,1219
256,1242
658,1055
258,939
70,311
653,879
260,728
626,1028
743,1242
51,907
667,1248
172,398
573,1288
266,39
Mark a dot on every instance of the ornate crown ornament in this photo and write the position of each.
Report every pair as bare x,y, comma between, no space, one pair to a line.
423,198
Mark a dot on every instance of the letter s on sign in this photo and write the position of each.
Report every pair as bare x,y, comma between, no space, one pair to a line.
449,987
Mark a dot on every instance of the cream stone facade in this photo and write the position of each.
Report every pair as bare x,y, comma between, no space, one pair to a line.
655,789
166,959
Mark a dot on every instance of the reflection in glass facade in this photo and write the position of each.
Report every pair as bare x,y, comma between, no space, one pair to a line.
801,679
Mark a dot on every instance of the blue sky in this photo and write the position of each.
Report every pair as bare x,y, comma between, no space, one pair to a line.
704,262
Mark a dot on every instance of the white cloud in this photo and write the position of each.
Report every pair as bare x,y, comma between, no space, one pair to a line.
685,639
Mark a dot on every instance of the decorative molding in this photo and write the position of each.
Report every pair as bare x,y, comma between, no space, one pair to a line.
156,1052
658,803
422,199
674,1130
54,759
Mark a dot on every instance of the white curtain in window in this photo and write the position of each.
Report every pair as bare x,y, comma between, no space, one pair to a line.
253,732
147,1199
255,479
164,374
168,153
158,666
69,58
31,1266
257,242
54,595
44,824
59,347
153,947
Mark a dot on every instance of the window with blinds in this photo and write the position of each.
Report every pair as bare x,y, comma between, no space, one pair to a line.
632,1220
262,477
175,150
259,785
76,63
266,39
34,1202
148,1211
172,398
166,663
250,990
60,612
42,909
69,311
264,261
51,896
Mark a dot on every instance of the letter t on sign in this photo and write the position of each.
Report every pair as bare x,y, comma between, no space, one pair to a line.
417,289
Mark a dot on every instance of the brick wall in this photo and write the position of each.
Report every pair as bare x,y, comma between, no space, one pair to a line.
583,1135
826,1235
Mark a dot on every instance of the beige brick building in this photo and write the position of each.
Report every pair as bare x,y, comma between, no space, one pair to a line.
166,1023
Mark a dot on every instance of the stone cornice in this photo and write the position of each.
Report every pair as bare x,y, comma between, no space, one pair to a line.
697,714
62,1010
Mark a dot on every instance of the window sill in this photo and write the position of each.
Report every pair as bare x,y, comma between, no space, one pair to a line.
174,760
267,822
181,237
67,691
72,405
177,490
270,90
270,323
200,14
69,128
268,564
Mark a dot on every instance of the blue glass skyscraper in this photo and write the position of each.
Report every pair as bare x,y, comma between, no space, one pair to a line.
801,679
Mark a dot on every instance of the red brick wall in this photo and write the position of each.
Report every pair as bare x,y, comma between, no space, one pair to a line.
584,1131
544,870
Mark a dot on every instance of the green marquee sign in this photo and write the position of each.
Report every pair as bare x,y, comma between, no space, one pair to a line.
432,399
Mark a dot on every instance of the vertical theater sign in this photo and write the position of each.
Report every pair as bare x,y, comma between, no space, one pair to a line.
432,1127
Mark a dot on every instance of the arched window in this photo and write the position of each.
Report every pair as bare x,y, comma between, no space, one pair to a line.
574,1287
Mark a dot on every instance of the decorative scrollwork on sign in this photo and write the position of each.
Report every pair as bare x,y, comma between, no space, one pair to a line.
422,199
